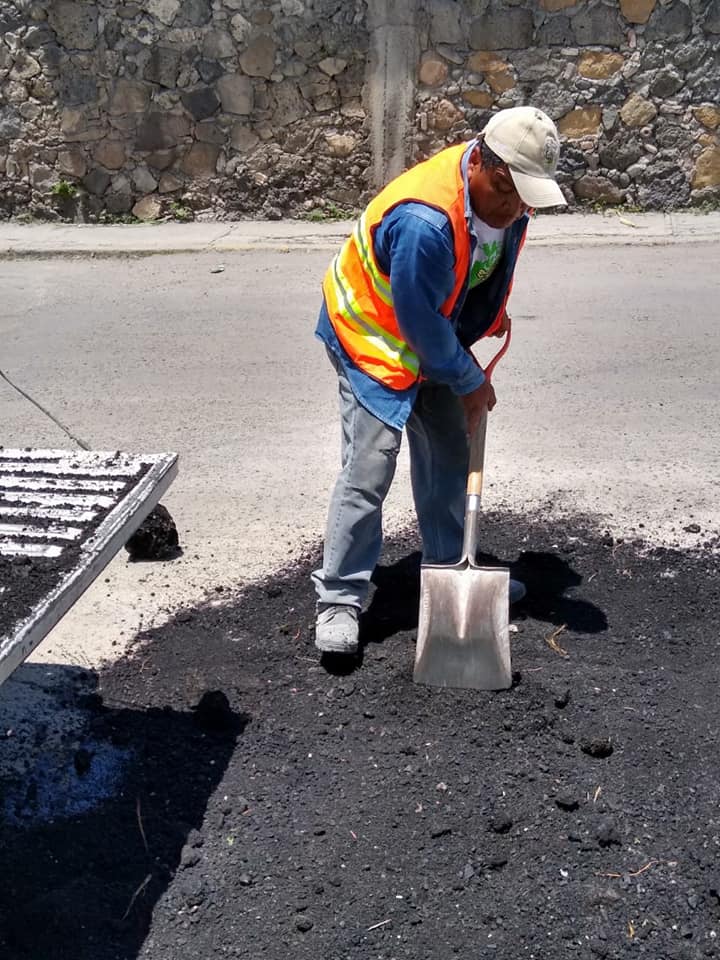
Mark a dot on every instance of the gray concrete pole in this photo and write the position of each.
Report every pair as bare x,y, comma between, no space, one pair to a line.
390,84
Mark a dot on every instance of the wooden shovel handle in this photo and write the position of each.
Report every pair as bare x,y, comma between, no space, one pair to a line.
477,458
477,441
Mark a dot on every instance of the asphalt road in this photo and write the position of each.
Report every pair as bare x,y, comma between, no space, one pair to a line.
607,403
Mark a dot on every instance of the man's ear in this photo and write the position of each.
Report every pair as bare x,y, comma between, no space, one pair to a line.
475,158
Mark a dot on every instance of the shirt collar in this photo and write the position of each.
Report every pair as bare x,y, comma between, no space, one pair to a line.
464,168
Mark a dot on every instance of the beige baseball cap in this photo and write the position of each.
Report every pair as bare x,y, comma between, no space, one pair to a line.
527,140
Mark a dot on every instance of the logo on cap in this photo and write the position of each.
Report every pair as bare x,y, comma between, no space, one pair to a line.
551,151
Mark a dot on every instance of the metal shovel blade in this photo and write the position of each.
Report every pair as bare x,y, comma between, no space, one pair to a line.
463,627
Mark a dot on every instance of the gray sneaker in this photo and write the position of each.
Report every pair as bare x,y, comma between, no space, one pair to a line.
337,628
517,590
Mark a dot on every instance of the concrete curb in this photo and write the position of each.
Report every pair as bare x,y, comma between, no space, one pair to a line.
152,239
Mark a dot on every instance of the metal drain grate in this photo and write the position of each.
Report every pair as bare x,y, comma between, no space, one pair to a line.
73,509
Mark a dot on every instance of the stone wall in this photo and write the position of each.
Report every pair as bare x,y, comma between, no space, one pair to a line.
634,87
227,108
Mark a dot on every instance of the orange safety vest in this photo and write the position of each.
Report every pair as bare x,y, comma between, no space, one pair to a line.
357,293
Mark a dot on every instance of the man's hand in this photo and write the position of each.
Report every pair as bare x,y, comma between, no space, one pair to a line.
476,403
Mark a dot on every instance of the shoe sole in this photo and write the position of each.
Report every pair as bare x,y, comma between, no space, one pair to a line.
340,647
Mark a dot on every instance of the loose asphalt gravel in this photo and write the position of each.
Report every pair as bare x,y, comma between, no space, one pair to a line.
262,803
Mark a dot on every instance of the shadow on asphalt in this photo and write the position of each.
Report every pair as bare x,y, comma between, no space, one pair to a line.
547,576
100,806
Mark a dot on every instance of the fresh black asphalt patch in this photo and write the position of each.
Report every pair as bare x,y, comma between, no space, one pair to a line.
265,804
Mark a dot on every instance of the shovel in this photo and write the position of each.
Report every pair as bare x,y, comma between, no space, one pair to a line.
463,628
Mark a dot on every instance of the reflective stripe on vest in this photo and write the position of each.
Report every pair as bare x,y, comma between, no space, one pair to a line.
364,244
358,295
393,348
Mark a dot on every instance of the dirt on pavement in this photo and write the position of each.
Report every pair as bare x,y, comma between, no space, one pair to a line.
252,801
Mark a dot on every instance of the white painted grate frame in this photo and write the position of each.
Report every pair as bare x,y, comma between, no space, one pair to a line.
51,485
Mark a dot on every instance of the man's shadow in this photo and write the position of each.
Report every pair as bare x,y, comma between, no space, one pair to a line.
104,814
547,577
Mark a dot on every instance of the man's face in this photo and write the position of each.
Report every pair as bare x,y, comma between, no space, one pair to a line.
492,193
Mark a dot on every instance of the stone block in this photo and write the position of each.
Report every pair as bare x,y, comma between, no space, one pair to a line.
42,89
75,24
10,123
599,66
258,59
50,57
112,33
263,18
129,96
169,183
637,111
637,11
445,115
669,22
553,99
707,169
332,66
161,130
701,85
163,10
217,45
195,12
76,86
433,71
160,159
202,102
621,153
163,66
148,208
500,81
209,70
325,103
72,163
711,17
708,116
339,144
665,84
25,66
598,189
236,93
500,28
598,26
673,136
289,104
110,154
201,160
143,180
689,54
243,138
556,32
445,23
581,122
478,98
39,174
210,132
118,197
240,28
96,182
552,5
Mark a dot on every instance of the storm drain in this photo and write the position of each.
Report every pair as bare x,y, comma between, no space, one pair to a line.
67,513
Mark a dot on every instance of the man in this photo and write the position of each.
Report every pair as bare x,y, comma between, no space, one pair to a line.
426,272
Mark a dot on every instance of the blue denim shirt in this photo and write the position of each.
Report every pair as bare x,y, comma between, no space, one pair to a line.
414,246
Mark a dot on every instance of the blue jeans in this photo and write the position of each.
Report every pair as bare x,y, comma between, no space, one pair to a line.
438,470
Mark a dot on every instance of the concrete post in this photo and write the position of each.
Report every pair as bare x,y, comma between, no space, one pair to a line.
390,83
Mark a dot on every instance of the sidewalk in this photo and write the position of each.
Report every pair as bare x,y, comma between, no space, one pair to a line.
579,229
